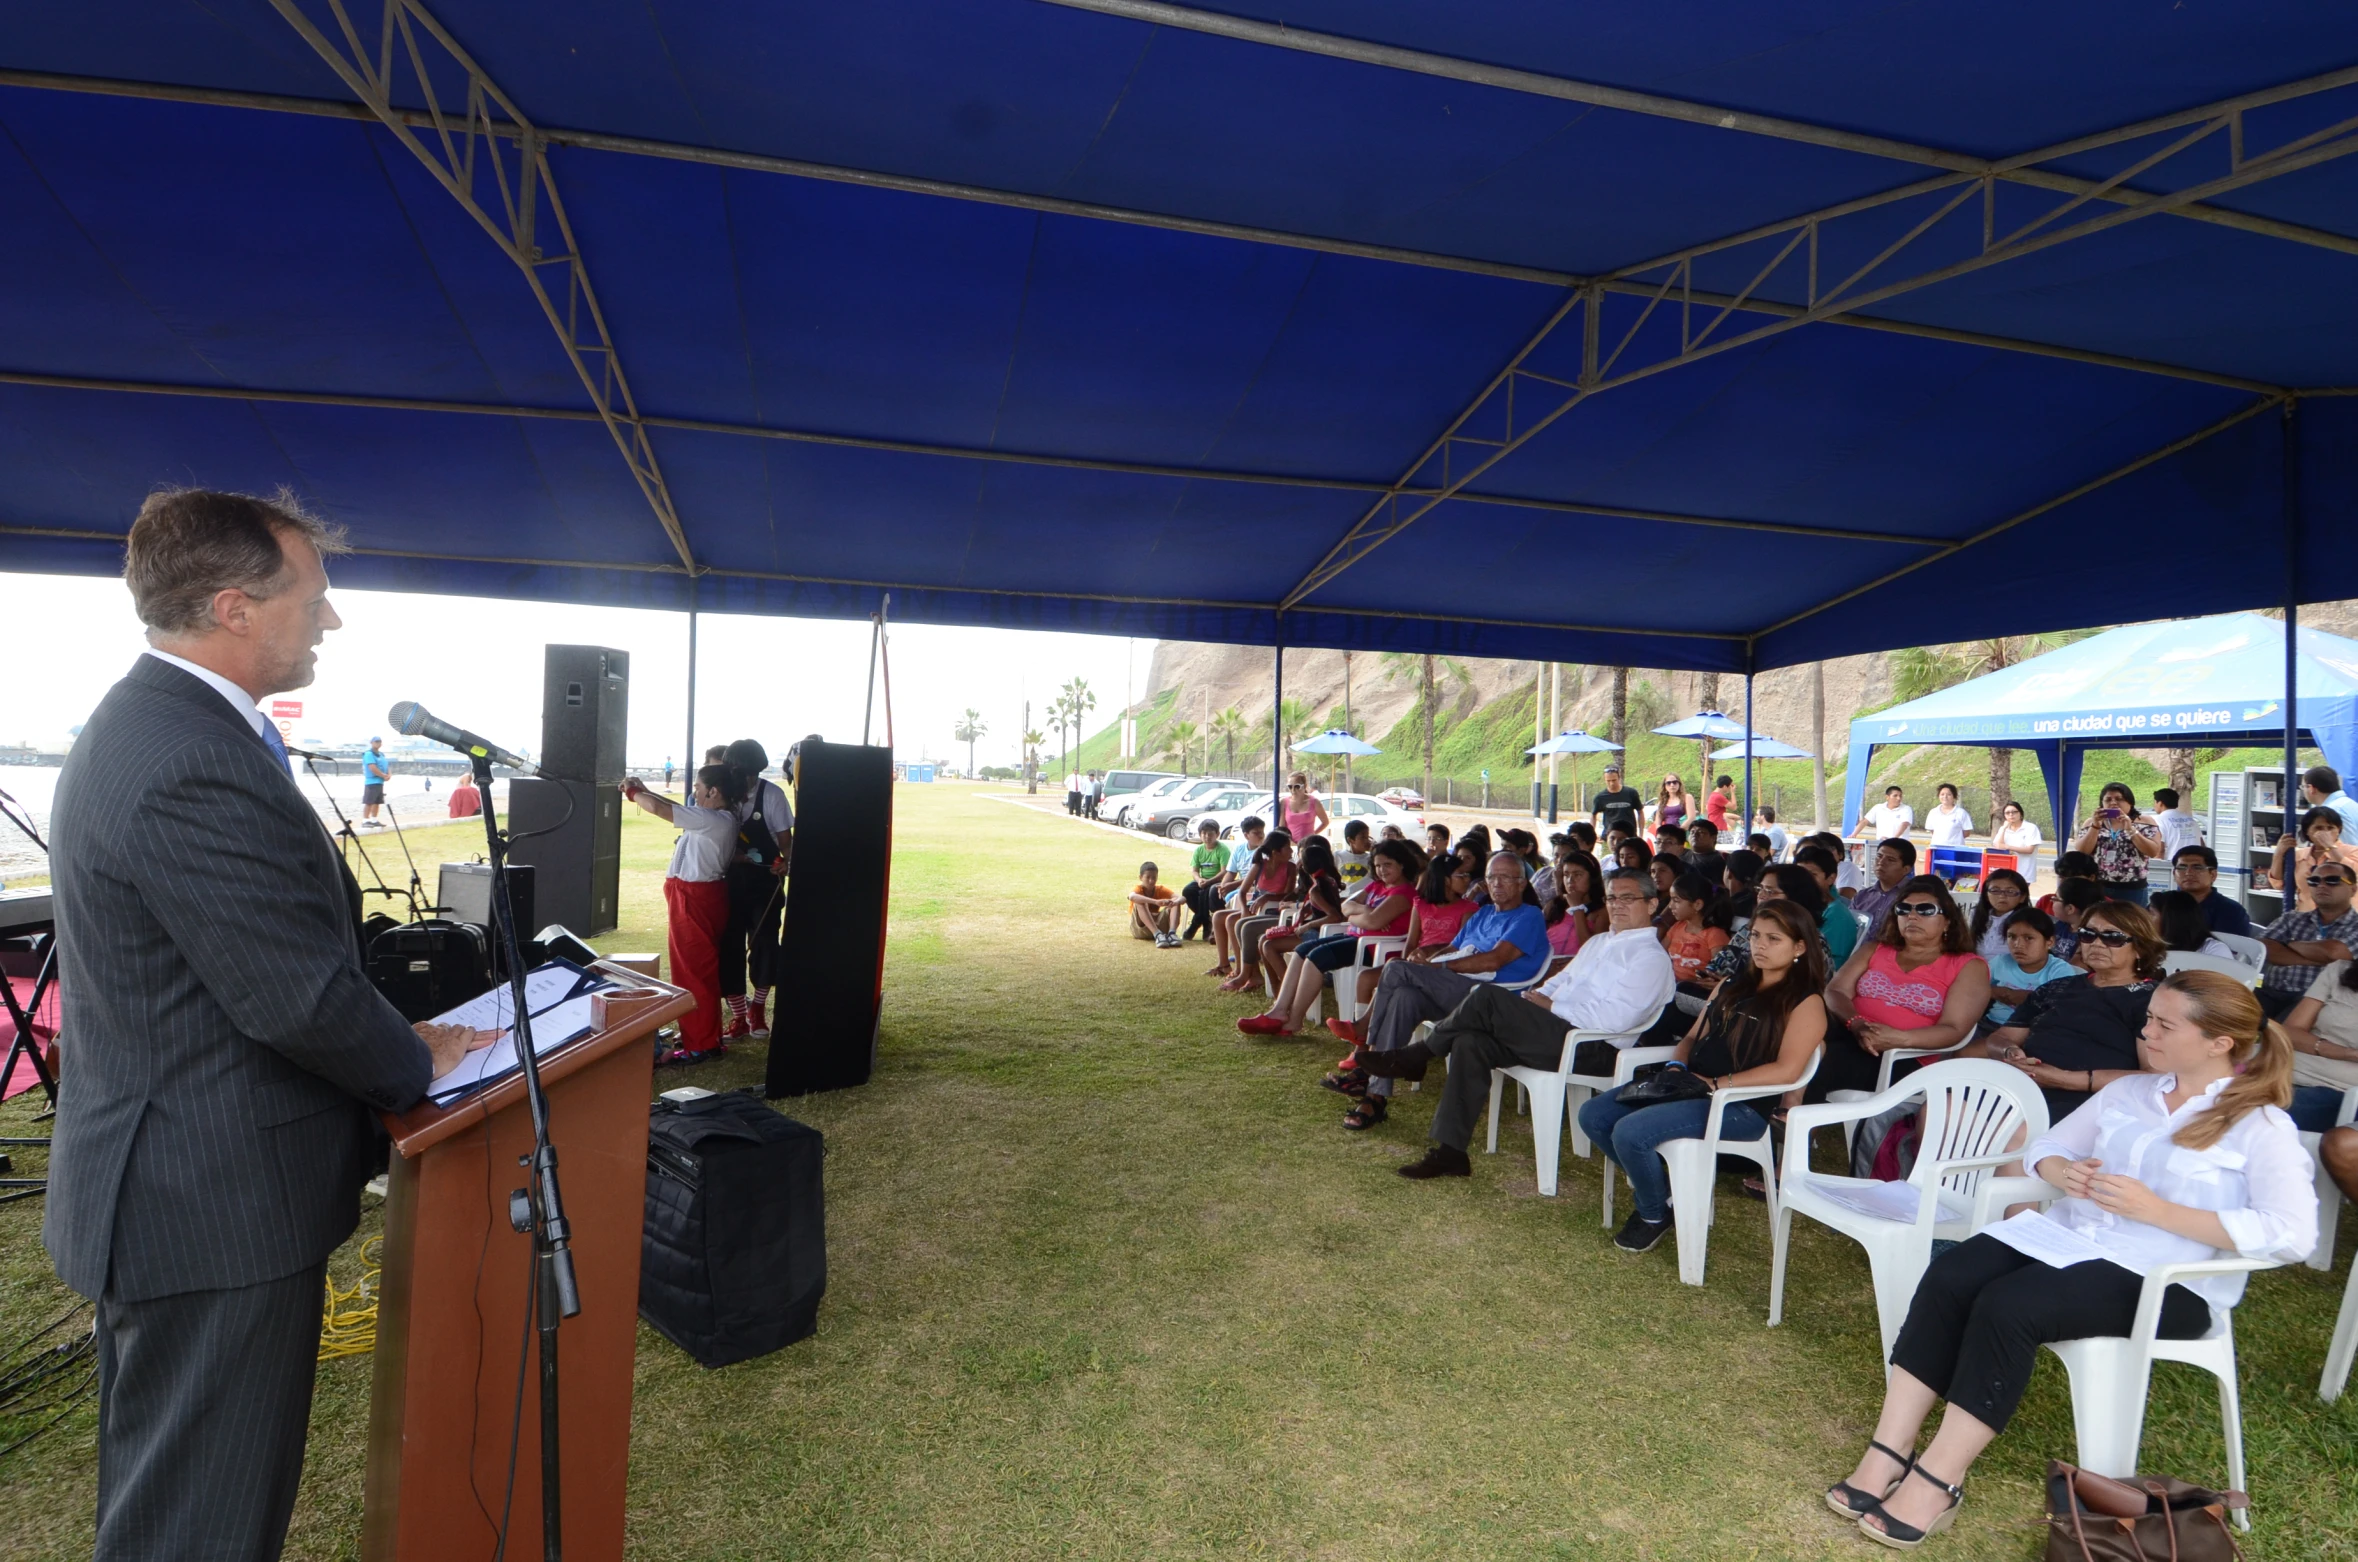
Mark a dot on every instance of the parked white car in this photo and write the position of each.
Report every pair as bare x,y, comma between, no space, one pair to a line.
1341,809
1117,809
1175,815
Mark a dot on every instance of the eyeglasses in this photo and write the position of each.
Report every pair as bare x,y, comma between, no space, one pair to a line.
1628,900
1916,908
2192,867
2110,938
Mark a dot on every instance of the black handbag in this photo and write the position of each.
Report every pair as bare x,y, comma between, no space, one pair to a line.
1659,1084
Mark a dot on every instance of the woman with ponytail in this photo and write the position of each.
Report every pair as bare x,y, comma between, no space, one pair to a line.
2191,1158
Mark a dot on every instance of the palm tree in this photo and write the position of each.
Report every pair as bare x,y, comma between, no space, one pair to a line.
1078,702
1921,670
1059,712
969,728
1178,738
1288,721
1431,673
1706,691
1228,726
1620,732
1033,737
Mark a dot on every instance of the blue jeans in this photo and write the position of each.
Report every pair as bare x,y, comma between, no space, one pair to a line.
1631,1136
2314,1107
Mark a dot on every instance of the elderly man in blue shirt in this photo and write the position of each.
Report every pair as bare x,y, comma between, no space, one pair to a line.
1506,941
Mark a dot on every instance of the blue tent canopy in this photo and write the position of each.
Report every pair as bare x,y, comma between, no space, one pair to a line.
1368,330
2194,683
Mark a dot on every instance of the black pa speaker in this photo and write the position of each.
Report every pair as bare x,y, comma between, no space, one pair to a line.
584,713
831,950
584,717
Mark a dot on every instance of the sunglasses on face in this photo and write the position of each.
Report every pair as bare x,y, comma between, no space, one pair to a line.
2110,938
2316,879
1916,908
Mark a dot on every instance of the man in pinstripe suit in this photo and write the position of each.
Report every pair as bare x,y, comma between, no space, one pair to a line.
223,1047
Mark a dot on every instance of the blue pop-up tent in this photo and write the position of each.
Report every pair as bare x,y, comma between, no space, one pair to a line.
2191,683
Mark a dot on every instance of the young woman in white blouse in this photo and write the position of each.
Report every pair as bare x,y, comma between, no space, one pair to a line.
2018,835
1948,820
2193,1158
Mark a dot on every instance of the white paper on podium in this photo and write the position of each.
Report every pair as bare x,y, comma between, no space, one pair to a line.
559,998
2051,1242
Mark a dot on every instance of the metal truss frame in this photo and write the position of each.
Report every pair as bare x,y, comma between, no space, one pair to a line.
478,138
1458,455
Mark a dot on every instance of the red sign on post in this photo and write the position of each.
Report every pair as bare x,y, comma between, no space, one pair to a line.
286,713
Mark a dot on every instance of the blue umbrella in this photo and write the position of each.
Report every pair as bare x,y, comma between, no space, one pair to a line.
1703,724
1575,743
1763,748
1336,741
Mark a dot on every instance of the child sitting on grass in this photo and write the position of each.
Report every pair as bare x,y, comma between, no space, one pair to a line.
696,901
1202,892
1154,910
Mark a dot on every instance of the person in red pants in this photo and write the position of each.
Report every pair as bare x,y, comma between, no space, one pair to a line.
696,900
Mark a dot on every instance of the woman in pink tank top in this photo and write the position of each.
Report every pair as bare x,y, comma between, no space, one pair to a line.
1303,815
1917,983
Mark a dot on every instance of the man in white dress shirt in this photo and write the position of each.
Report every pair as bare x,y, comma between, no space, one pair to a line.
1618,983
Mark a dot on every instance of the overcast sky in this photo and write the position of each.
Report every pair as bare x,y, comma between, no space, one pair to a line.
477,662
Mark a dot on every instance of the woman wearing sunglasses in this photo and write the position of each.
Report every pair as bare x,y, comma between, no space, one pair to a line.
2075,1036
1916,983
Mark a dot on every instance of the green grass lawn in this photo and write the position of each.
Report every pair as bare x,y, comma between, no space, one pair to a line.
1108,1280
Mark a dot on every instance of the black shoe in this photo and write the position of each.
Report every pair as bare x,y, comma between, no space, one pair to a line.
1400,1063
1442,1160
1641,1235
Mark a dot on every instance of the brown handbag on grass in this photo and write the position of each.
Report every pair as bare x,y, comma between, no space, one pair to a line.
2094,1518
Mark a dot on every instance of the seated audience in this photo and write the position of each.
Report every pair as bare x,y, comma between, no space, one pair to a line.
2003,892
1318,896
1780,881
1352,863
1668,868
2028,964
1232,885
2299,942
1895,861
1436,839
1268,883
1759,845
1393,832
1525,846
1764,820
1916,983
2074,1036
1671,841
465,801
1504,941
1688,940
1583,835
1633,855
1543,883
1201,893
2183,931
2228,1177
1476,865
2068,866
1576,907
2321,842
1383,910
1848,880
1617,983
2121,841
1739,881
2196,871
1759,1029
2324,1031
1836,921
1704,856
1154,909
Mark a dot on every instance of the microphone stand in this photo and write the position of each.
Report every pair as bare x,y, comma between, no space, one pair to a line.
537,1207
417,886
344,833
24,1043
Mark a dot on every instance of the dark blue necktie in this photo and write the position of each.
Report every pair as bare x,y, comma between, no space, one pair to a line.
278,744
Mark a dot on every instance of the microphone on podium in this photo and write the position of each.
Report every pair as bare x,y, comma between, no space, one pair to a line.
413,720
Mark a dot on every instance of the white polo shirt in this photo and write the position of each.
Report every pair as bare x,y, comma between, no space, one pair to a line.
708,839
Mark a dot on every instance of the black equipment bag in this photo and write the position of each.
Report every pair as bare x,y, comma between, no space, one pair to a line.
425,968
734,1256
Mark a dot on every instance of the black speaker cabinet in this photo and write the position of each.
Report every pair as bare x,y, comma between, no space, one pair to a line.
831,951
464,893
578,864
584,713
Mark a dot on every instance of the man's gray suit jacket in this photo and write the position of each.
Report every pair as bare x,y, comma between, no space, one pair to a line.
221,1043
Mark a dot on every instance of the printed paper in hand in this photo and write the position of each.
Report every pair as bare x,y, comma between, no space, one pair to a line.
558,996
2051,1242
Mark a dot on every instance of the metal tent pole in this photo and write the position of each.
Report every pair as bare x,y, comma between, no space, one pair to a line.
1744,831
2291,425
690,755
1277,724
1538,732
1555,723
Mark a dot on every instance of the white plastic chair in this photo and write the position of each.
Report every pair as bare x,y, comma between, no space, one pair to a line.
1373,951
1546,1090
1579,1087
2110,1374
1886,1063
2234,970
2329,1193
2336,1376
1694,1169
1426,1029
2247,951
1977,1115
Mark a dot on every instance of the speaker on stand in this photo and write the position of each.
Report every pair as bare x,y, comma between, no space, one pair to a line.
584,720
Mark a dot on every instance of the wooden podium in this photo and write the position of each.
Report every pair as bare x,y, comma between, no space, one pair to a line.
450,1313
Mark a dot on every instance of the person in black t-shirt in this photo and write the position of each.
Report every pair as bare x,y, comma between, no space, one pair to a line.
1617,807
2075,1036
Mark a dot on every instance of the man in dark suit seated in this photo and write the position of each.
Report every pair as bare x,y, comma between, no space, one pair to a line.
223,1047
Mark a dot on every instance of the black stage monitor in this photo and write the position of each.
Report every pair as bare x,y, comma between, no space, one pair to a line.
831,950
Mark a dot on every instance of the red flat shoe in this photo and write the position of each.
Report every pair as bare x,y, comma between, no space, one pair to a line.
1261,1025
1346,1030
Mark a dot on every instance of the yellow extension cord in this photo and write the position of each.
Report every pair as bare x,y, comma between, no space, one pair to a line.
348,1319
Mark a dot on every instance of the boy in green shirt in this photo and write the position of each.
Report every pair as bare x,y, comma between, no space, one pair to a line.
1202,891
